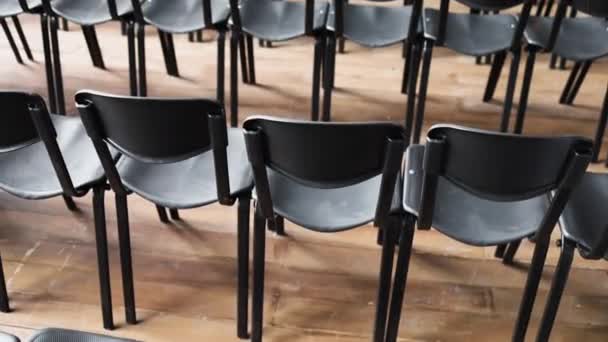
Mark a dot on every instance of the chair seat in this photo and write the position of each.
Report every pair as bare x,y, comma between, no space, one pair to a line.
189,183
181,16
4,337
326,210
374,26
579,39
475,35
9,8
279,20
62,335
90,12
466,217
28,172
585,216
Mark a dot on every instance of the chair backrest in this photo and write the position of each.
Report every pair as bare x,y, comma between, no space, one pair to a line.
139,17
309,16
155,130
591,7
414,20
324,155
26,121
596,8
490,6
502,167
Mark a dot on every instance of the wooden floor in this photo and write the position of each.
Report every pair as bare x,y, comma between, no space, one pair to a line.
319,287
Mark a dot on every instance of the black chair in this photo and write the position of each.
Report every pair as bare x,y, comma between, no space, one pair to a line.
326,177
44,156
11,9
475,35
369,26
174,17
582,39
504,198
274,21
63,335
87,14
583,227
182,157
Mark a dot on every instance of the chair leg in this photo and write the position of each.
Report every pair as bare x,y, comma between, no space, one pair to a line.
400,281
163,47
494,77
251,59
579,82
64,24
571,79
243,54
553,61
279,225
259,246
531,289
162,214
384,283
414,66
510,252
168,48
539,9
4,301
69,202
562,63
500,251
525,92
132,58
243,266
90,35
123,28
316,77
103,267
26,45
141,54
424,83
221,65
506,114
407,47
57,66
601,128
234,86
199,36
560,278
341,45
126,264
48,62
174,214
191,37
268,43
328,73
11,41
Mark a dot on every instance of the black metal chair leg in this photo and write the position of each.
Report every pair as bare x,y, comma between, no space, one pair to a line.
508,105
90,35
316,77
424,83
571,79
341,45
64,24
26,45
512,248
221,65
389,230
268,43
163,47
69,202
243,266
234,86
48,62
579,82
199,36
539,9
400,281
500,251
553,61
141,54
123,28
173,70
126,264
162,214
251,59
560,278
4,301
414,66
562,63
132,58
58,74
11,41
279,225
103,267
407,46
601,128
259,246
243,54
191,37
525,92
529,296
495,71
174,214
261,42
328,74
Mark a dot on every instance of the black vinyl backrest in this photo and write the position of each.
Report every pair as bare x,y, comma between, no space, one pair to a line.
503,167
596,8
308,19
414,21
152,130
491,5
17,129
324,155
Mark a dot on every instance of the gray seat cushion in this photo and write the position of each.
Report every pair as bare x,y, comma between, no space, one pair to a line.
62,335
180,16
90,12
